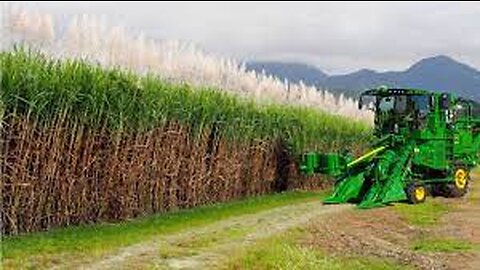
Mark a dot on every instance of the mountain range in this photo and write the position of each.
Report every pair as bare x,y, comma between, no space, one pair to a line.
439,73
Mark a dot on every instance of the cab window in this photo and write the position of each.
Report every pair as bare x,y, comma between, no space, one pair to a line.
421,104
461,110
400,104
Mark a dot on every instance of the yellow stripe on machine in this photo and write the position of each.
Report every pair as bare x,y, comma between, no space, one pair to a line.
367,155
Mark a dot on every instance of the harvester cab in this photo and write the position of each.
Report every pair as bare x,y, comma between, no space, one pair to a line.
397,109
425,143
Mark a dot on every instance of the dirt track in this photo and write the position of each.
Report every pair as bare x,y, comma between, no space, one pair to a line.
384,233
208,246
377,232
465,222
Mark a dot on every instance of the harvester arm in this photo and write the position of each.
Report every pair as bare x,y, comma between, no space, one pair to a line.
376,178
348,186
389,178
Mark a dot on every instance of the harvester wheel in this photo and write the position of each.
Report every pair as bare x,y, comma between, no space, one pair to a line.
461,177
416,193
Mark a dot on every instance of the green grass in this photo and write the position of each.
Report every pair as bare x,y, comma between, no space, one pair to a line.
425,214
96,240
203,241
286,252
474,194
191,246
442,245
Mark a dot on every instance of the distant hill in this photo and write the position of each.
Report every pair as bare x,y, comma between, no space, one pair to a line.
439,73
294,72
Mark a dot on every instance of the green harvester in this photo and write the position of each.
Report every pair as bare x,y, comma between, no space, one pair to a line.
426,143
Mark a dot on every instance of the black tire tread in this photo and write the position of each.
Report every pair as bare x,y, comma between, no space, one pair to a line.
412,199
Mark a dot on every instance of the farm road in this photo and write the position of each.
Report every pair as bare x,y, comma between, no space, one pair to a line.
466,221
208,246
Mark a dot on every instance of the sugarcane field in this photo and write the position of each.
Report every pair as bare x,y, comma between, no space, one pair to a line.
239,135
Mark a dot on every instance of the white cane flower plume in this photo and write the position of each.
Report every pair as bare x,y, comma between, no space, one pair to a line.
87,37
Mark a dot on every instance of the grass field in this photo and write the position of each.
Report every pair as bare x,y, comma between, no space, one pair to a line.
288,251
96,240
425,214
431,244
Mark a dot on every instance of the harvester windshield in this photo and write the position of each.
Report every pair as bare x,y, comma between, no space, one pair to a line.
395,103
403,104
386,104
396,108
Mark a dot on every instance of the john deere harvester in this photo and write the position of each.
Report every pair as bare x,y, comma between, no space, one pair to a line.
426,143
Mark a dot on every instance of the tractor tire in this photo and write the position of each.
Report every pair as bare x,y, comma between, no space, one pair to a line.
461,177
416,193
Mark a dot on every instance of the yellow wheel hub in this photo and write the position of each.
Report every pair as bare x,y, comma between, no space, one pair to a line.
420,193
461,178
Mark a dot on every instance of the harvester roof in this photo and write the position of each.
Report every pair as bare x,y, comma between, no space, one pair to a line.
384,91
